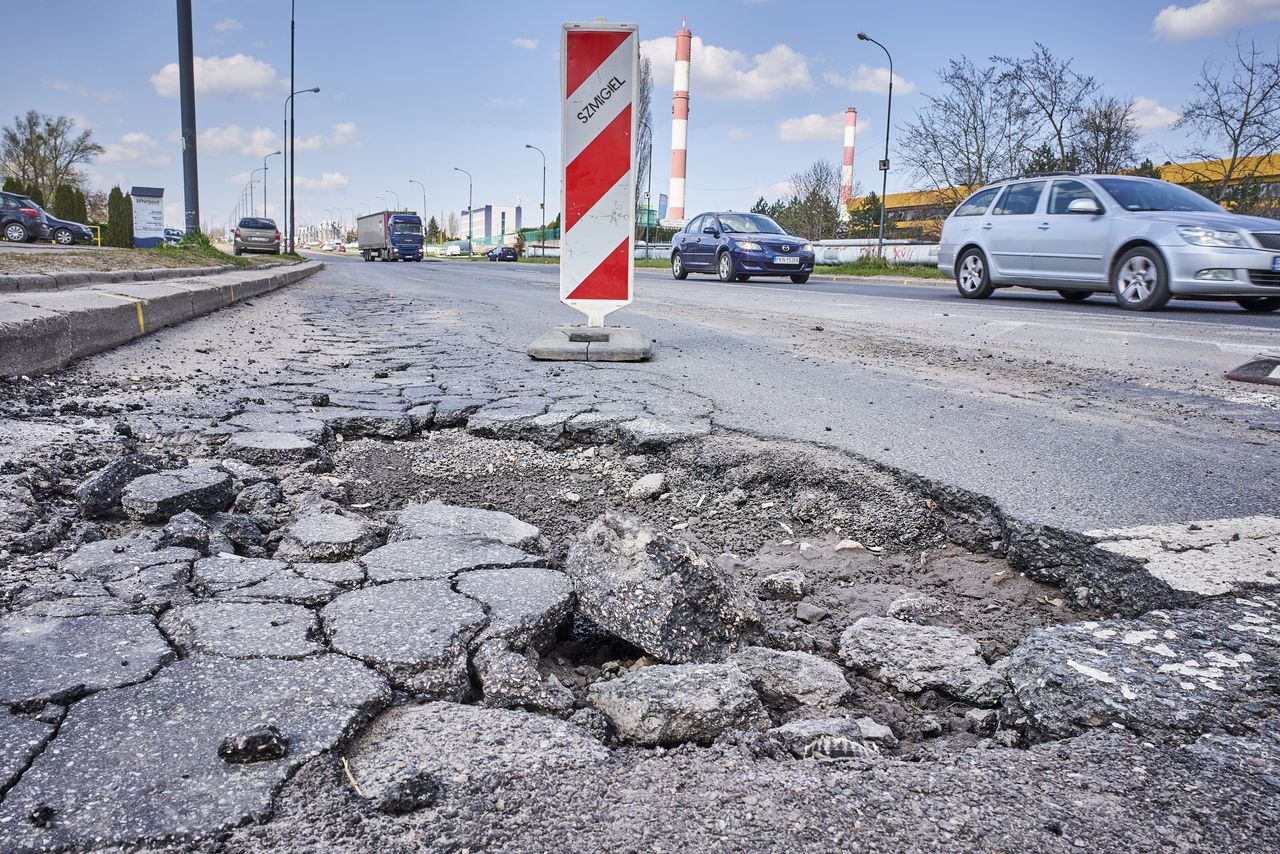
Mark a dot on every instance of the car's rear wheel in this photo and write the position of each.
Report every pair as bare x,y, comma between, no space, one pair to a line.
1075,296
973,281
677,267
724,267
1259,304
742,277
800,278
15,232
64,237
1140,281
237,251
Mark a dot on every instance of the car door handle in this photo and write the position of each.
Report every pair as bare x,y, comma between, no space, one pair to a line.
986,226
1042,226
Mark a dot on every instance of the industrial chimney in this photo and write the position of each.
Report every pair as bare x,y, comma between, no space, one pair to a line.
846,171
680,123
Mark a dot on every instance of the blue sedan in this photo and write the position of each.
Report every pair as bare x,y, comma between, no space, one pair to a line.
736,246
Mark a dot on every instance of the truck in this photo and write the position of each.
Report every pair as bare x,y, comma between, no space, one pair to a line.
390,236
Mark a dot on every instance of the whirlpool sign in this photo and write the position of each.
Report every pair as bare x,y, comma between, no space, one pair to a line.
148,216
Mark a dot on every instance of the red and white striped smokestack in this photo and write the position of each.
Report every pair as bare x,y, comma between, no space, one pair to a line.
680,123
846,171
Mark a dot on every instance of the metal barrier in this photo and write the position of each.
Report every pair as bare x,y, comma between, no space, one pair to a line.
897,252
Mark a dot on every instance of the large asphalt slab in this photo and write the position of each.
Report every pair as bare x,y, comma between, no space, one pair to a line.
1080,416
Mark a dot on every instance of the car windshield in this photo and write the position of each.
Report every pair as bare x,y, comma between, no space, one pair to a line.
406,228
736,223
1136,195
253,222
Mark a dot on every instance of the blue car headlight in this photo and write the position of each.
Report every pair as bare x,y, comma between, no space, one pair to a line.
749,245
808,247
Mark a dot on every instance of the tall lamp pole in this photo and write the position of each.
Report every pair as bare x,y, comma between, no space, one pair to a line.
397,195
424,197
187,97
287,213
384,202
471,214
884,164
264,181
542,229
253,209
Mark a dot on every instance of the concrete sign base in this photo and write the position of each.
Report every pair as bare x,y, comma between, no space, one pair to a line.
1263,368
592,344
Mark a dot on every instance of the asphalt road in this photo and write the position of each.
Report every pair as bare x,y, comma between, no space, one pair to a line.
1078,415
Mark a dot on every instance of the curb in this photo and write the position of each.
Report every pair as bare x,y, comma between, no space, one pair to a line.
43,332
28,282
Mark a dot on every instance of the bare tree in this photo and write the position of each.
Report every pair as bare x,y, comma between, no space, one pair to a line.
46,151
1236,112
971,132
1108,137
812,210
1049,88
644,139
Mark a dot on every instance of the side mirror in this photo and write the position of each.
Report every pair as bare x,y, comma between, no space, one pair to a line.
710,229
1083,206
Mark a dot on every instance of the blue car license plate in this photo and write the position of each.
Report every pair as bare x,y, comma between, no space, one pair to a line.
791,259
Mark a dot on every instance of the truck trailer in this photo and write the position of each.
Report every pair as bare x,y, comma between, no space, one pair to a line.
390,236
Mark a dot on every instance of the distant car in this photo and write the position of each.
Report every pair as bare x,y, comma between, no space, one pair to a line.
340,248
1143,240
22,220
174,235
502,253
256,234
66,233
736,246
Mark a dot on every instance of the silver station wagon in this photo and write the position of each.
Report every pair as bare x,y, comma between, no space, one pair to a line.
1144,241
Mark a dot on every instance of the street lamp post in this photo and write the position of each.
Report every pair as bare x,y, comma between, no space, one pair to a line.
264,181
253,209
471,214
424,197
287,213
397,195
884,164
542,229
384,202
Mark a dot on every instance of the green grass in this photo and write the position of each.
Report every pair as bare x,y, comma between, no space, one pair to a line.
877,268
198,251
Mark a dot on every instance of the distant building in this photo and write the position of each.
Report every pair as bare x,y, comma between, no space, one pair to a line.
491,225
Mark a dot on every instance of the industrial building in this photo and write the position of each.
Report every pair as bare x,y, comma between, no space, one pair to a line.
491,225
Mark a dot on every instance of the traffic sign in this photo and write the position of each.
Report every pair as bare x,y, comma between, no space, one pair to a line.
599,69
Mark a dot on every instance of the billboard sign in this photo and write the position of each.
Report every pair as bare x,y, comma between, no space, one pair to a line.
148,216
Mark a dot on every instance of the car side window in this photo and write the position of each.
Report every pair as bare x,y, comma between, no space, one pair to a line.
977,204
696,226
1063,193
1020,199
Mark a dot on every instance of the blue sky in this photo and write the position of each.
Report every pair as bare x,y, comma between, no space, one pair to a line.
411,89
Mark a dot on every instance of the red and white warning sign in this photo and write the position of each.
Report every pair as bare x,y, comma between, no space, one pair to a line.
599,66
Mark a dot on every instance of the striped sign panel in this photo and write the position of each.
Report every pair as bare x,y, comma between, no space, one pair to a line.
599,66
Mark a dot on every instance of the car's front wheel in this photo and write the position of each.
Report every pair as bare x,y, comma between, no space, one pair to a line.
800,278
15,232
1075,296
973,281
1259,304
724,267
677,267
1140,281
64,237
742,277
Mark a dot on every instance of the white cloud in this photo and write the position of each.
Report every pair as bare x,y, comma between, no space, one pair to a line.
228,24
135,148
738,133
1212,17
816,127
218,76
527,44
327,181
864,78
1151,116
345,133
729,75
234,139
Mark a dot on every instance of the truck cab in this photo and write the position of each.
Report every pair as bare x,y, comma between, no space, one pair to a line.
390,236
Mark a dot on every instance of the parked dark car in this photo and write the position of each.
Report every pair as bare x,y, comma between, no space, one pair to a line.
22,220
173,235
737,246
502,253
67,233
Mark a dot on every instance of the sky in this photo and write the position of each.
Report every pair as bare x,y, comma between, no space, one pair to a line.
411,89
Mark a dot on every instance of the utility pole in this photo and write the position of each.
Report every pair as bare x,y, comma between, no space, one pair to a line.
423,212
542,229
187,96
884,164
264,181
293,126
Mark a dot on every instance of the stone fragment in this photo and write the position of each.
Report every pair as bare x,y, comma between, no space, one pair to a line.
656,591
238,529
186,530
156,497
343,573
229,572
410,793
466,744
21,738
526,605
426,521
649,486
100,492
787,586
876,732
67,598
1167,675
382,423
833,749
261,743
453,410
123,753
791,680
916,607
801,737
505,418
311,429
153,588
122,558
62,658
270,449
286,586
672,704
982,722
415,632
509,680
648,432
243,474
439,557
243,630
326,537
260,497
915,658
807,612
